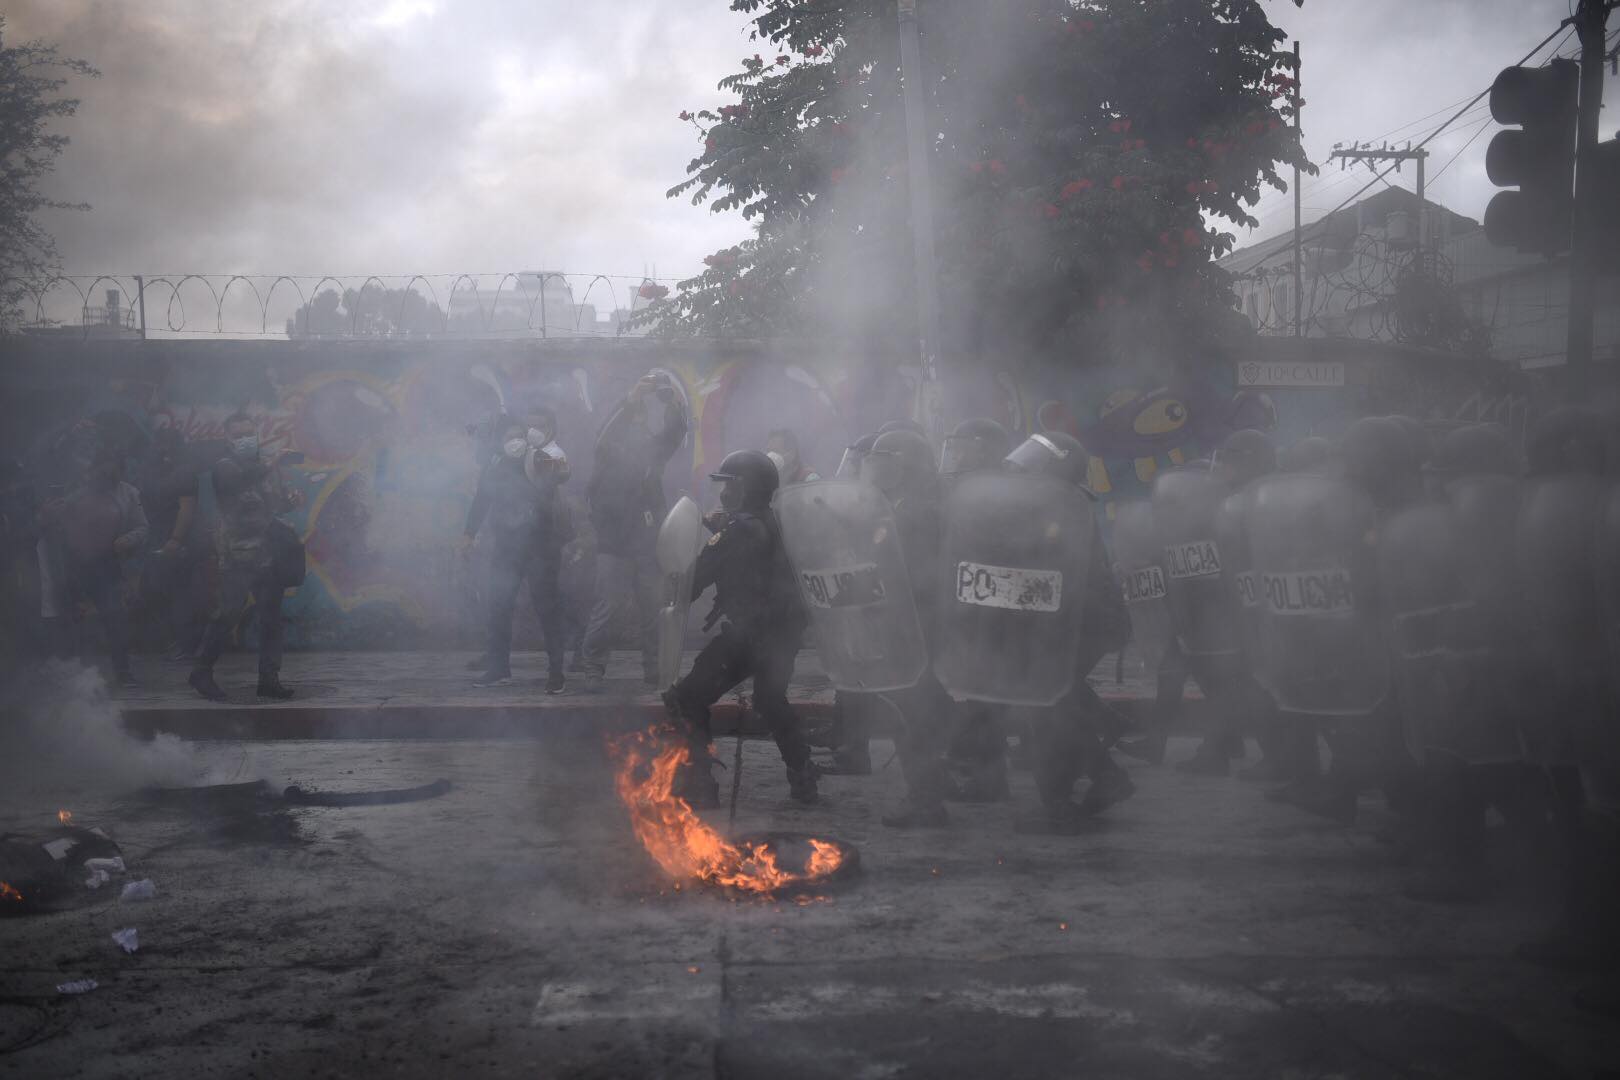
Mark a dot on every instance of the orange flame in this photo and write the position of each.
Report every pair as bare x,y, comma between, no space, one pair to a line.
683,844
65,816
8,893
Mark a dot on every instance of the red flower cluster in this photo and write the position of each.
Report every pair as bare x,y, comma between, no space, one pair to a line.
1074,187
997,167
1049,211
1120,183
650,291
721,259
1133,144
783,59
813,50
1021,101
1120,126
708,144
685,115
729,111
1080,26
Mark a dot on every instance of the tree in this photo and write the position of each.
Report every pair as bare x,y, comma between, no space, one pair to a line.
31,75
370,311
1083,149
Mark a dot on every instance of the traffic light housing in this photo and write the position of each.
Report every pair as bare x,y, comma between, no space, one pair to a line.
1604,208
1538,157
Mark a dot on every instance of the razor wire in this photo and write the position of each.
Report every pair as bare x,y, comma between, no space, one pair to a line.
1358,290
416,306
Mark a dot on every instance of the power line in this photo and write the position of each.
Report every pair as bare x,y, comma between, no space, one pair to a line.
1427,139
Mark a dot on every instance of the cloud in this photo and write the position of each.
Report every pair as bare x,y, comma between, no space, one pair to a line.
302,137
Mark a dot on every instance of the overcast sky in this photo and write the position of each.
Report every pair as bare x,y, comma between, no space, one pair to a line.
399,136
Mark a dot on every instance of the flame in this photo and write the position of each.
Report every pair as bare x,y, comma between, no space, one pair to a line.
65,816
683,844
8,893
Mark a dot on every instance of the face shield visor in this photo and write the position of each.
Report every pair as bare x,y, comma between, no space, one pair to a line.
963,454
849,467
1036,454
884,471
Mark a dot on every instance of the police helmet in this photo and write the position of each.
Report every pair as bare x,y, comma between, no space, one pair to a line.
899,461
849,467
902,425
1246,455
1376,454
1567,440
1309,455
754,476
1477,448
979,443
1054,453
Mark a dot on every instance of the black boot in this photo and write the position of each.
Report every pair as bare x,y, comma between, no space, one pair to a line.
202,681
270,687
696,786
1112,785
851,759
802,784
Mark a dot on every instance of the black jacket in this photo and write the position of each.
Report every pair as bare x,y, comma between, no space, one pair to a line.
517,509
626,489
753,584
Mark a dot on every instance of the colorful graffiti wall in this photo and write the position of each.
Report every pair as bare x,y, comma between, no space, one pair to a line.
389,464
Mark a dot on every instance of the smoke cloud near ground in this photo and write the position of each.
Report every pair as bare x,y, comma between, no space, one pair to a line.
63,736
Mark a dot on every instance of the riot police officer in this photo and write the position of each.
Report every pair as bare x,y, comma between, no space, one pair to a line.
1070,737
761,622
901,465
978,755
852,722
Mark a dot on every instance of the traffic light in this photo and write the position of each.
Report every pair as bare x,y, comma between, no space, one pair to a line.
1605,206
1538,157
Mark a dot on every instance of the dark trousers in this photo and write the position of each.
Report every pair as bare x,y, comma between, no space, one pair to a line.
626,596
726,661
101,584
510,563
932,723
176,588
232,587
1070,738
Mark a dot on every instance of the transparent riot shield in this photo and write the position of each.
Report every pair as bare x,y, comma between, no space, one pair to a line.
680,538
1140,560
1428,616
1013,568
842,542
1202,604
1237,566
1321,650
1563,616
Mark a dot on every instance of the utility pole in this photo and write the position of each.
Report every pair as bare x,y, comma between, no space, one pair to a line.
922,221
1299,277
140,302
1373,154
1589,20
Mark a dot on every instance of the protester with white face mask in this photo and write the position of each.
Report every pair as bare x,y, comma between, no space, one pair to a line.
517,498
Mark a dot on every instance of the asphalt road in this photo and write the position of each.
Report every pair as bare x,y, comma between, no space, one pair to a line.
515,927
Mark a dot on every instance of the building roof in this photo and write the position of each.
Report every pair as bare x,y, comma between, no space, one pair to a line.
1342,227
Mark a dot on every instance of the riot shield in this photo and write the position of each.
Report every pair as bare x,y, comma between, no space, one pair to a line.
1563,626
1320,651
1237,566
1203,607
1013,567
1140,559
842,541
680,538
1427,611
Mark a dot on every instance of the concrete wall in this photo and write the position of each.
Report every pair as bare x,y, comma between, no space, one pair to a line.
389,467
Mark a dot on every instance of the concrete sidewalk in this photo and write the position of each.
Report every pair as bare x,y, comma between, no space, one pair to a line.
431,695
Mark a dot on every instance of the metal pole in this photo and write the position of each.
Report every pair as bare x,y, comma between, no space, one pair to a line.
1299,277
922,220
1423,215
1589,21
140,301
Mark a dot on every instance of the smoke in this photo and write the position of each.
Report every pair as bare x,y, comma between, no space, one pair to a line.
63,735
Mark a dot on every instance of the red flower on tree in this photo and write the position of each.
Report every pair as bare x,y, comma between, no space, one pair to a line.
997,167
1074,187
813,50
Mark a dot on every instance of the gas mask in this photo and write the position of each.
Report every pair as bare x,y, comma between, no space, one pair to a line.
538,438
245,445
515,446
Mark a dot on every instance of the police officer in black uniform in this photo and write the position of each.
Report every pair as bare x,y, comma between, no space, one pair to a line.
852,724
761,619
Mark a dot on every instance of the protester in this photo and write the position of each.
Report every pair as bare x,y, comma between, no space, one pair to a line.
517,496
626,497
173,580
